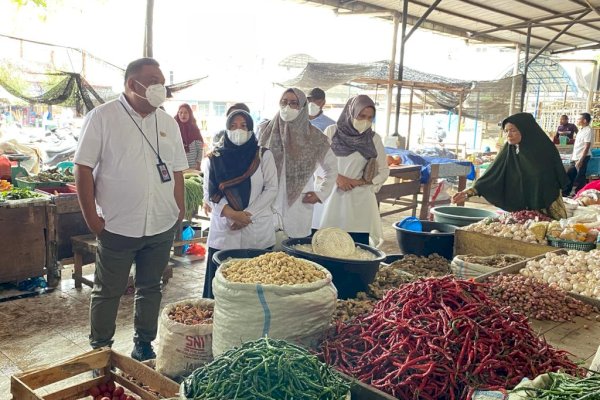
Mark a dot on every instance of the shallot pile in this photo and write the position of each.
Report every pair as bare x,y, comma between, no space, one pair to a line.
510,231
441,338
535,298
576,271
432,265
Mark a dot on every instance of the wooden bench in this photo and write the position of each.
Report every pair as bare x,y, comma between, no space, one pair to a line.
85,245
402,191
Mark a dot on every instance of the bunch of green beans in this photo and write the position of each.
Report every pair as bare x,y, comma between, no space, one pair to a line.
567,387
265,369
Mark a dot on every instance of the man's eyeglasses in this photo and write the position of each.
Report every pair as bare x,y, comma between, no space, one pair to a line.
293,103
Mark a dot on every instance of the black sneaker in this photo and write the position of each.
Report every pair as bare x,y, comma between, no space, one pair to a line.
143,351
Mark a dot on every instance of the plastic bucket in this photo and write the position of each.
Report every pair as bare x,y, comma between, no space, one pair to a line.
426,243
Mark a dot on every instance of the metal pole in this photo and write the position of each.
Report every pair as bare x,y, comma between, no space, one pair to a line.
462,97
537,102
401,66
476,121
410,110
148,28
565,97
525,68
511,107
593,77
390,89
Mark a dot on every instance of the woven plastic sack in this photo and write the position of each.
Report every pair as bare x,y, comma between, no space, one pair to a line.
465,270
183,348
245,311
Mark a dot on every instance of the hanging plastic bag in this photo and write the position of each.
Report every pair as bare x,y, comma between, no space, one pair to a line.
187,234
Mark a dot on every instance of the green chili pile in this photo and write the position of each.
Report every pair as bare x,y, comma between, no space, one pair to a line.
564,387
265,369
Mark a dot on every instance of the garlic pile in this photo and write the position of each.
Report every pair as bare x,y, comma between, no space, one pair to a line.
576,271
513,231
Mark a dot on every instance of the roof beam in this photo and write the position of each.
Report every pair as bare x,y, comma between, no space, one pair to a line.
593,46
468,17
422,19
520,17
536,21
594,9
573,22
536,4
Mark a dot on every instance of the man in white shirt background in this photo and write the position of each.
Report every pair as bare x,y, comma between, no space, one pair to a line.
129,167
316,102
582,150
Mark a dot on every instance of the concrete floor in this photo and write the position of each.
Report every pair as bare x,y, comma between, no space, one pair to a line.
52,327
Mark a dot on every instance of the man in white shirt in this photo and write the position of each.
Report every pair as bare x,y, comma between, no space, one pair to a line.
582,150
316,102
129,179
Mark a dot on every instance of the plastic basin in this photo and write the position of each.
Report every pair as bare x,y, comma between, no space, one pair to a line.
349,276
221,256
460,216
426,243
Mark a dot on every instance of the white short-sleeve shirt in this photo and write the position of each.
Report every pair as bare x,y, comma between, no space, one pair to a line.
132,198
584,136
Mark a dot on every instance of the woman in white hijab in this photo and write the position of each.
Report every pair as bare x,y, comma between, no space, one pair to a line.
299,150
362,166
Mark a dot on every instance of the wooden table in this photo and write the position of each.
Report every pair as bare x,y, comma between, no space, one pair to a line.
85,245
404,181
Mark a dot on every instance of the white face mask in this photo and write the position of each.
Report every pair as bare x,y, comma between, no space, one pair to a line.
288,113
238,136
155,94
313,109
361,125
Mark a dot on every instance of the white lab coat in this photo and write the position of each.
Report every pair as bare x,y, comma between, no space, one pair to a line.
356,210
297,218
260,234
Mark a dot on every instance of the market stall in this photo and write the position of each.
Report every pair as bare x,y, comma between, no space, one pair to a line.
25,234
401,189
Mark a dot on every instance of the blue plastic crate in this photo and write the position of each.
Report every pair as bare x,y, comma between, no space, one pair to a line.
595,152
593,167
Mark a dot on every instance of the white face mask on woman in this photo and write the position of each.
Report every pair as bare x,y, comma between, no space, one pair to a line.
361,125
238,136
313,109
288,113
155,94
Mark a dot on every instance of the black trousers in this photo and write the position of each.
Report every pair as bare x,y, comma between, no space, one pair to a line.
577,179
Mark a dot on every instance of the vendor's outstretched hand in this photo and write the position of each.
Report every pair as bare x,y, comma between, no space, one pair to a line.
459,197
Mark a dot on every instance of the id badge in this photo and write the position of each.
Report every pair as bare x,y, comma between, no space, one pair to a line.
163,172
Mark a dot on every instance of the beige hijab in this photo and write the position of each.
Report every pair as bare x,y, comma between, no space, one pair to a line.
302,144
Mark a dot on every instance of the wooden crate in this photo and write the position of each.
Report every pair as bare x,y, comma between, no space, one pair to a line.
479,244
362,391
24,385
515,268
23,239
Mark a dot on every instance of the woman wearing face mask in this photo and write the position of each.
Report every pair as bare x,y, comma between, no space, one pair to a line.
190,133
362,169
299,150
241,181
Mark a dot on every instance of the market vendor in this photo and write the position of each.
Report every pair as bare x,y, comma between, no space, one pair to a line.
527,174
565,129
241,182
582,151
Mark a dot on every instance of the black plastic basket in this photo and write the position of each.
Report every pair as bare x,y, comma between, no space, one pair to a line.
571,244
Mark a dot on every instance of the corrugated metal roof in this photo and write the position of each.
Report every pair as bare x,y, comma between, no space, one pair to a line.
503,21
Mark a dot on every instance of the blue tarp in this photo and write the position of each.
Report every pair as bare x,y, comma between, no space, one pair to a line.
410,158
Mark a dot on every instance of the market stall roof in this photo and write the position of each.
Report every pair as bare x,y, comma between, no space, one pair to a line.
547,74
561,25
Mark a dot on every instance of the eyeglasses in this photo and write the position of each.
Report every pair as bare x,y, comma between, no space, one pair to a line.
293,103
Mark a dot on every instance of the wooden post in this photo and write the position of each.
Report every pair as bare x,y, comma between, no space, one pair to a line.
148,31
410,110
462,97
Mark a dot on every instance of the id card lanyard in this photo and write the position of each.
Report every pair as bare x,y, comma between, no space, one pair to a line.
163,171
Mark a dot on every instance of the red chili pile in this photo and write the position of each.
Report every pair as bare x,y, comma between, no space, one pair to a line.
441,338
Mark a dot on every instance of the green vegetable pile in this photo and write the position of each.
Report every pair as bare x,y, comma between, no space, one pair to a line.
193,194
265,369
51,175
559,386
18,194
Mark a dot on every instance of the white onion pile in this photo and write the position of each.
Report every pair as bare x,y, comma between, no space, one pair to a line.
513,231
576,271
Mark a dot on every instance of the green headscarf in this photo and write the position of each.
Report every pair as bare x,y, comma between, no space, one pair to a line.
530,179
